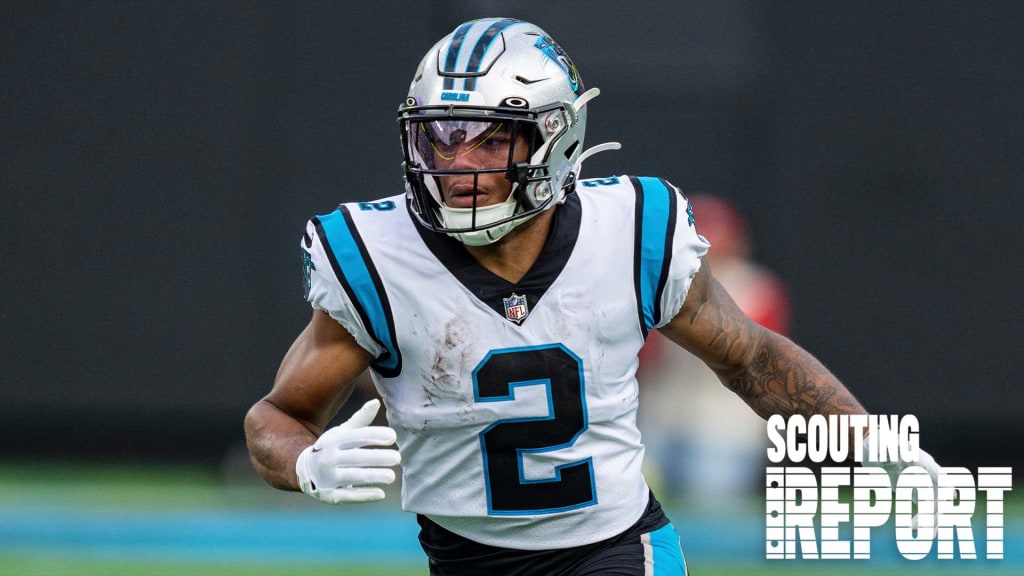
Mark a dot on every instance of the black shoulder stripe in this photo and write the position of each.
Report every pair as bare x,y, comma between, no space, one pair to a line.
670,233
638,220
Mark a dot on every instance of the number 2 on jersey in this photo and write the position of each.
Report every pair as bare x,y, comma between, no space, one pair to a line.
506,442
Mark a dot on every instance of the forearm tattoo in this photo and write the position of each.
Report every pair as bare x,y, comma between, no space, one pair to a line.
785,379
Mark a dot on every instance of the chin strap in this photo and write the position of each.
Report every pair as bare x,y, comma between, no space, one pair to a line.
462,218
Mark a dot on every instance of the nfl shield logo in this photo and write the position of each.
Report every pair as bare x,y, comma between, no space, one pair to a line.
516,309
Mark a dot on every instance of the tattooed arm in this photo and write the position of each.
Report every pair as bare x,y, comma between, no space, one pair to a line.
771,373
768,371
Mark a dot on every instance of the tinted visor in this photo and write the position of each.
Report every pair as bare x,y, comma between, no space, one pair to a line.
483,144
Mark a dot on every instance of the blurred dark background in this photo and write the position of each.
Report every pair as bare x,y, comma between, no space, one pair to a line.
158,161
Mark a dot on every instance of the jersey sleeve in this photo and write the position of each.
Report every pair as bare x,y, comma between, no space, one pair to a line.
668,250
324,291
688,249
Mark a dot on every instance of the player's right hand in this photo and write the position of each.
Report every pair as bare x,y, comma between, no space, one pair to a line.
339,468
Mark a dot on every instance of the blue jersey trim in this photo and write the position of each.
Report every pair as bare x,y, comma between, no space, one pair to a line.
655,228
668,554
358,276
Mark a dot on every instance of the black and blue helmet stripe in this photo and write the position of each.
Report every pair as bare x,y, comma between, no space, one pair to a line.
476,54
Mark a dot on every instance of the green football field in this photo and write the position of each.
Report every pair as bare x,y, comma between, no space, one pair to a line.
89,520
39,566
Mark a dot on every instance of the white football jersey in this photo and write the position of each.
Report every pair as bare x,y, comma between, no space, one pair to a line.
515,404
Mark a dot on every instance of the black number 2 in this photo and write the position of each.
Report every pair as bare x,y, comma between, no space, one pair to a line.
505,442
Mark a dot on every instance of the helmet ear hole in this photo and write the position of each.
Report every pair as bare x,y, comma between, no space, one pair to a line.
571,150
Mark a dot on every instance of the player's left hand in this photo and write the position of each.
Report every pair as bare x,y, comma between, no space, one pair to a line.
894,469
340,468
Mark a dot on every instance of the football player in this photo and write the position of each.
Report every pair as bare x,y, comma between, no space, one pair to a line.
500,304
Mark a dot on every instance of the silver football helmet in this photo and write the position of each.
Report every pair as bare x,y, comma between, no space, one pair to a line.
490,86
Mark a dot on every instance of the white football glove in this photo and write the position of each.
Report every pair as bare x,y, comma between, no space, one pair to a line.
924,460
893,469
338,468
